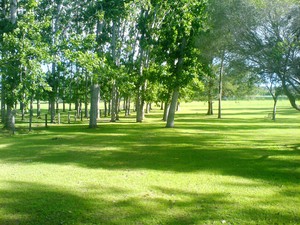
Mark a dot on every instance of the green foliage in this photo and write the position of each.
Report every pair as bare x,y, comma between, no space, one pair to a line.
24,52
182,22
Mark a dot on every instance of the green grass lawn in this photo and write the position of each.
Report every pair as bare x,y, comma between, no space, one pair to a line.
242,169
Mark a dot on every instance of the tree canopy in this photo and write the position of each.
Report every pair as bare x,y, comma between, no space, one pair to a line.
145,51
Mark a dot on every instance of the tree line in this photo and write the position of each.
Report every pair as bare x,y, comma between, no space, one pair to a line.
144,51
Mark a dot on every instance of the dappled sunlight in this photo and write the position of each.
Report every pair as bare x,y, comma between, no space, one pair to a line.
205,171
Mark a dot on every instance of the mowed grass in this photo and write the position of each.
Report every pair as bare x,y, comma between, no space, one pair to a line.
242,169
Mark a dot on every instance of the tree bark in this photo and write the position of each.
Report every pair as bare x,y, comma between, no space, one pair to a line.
274,109
9,121
290,95
30,114
95,90
2,103
175,96
38,108
172,110
210,110
105,108
221,85
86,100
210,97
113,113
166,111
52,110
13,11
127,107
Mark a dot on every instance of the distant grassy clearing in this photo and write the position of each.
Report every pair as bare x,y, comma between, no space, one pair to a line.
242,169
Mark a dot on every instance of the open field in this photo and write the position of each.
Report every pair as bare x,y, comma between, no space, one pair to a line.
242,169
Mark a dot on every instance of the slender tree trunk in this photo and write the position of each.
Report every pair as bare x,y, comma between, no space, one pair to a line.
52,110
30,113
172,110
13,11
113,113
221,85
95,90
22,108
127,107
210,97
64,105
139,107
166,110
118,106
162,106
38,108
147,108
178,107
8,116
114,97
274,108
57,105
210,110
9,121
105,108
175,96
109,108
2,101
86,99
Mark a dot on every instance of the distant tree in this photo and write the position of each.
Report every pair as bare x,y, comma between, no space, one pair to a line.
269,41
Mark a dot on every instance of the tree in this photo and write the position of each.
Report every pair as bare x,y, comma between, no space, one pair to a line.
269,41
180,26
24,52
216,45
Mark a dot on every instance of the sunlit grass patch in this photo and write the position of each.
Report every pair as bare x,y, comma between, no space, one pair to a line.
242,169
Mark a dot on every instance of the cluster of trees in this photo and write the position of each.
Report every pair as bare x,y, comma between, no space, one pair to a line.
144,51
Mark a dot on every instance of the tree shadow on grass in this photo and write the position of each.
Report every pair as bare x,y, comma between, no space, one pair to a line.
31,203
26,203
179,154
147,146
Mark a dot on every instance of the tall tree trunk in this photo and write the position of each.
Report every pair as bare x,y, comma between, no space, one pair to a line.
52,109
9,121
274,108
166,110
210,110
22,108
105,108
221,85
38,108
30,113
57,105
289,94
162,106
175,96
113,113
172,110
95,90
64,104
210,97
178,107
86,99
2,101
127,107
13,11
9,117
118,102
